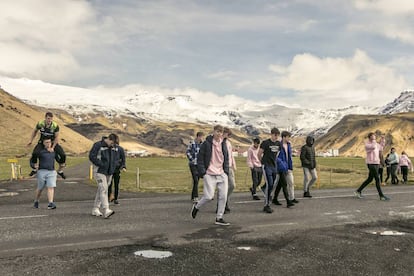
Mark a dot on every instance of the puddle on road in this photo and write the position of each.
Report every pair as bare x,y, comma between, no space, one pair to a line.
8,194
387,233
153,254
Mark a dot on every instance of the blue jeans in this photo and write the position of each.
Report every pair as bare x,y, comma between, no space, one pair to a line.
270,177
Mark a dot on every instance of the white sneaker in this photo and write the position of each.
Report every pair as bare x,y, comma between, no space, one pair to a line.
108,213
96,212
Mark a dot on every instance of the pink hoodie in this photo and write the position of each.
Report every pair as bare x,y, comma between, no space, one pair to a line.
405,161
373,149
252,158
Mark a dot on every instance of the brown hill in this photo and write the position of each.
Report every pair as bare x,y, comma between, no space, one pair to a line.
349,134
17,122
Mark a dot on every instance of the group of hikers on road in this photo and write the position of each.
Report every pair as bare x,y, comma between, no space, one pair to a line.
213,161
272,158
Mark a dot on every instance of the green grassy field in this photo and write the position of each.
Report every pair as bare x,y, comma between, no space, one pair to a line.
171,174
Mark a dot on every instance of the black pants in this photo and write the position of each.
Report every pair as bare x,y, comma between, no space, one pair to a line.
388,173
380,173
257,174
373,174
194,175
60,155
115,182
404,172
282,184
394,178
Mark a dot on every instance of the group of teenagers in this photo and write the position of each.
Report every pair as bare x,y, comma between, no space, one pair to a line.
107,156
213,161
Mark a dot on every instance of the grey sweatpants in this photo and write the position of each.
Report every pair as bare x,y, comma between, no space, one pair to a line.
101,198
210,182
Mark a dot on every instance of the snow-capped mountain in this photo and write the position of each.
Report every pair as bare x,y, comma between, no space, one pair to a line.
404,103
188,106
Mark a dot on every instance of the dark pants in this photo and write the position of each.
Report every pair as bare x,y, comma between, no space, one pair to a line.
404,172
115,182
388,173
270,177
257,174
194,175
373,174
394,178
60,155
282,184
380,173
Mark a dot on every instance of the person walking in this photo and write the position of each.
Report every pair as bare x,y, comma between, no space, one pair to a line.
393,160
285,171
232,167
192,153
308,160
43,161
253,162
116,177
213,167
268,152
372,149
388,168
104,161
405,165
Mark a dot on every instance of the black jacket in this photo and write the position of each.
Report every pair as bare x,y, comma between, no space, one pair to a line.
205,153
102,156
307,154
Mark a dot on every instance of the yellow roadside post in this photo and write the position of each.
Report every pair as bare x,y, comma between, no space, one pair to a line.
14,171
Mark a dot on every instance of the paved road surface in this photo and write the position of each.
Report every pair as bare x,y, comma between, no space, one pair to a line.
163,221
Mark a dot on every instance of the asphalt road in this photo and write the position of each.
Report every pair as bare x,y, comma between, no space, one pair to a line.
332,233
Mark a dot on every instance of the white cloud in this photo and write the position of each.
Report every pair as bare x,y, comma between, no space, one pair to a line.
39,38
394,7
222,75
337,82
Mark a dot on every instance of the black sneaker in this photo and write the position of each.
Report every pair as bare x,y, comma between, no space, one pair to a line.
36,204
116,202
255,197
384,198
33,172
294,201
51,206
62,175
221,221
267,209
226,209
276,202
290,204
194,211
307,194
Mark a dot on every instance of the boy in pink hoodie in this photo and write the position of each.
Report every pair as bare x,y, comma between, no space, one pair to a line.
403,165
373,160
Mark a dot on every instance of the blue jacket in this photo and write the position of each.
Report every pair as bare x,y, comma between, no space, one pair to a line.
192,152
205,153
285,163
103,158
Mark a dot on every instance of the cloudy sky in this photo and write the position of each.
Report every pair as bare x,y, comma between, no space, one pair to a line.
325,53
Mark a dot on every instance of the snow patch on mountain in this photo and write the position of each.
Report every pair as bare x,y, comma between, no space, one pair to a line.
404,103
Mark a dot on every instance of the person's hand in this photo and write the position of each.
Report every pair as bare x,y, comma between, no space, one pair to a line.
124,169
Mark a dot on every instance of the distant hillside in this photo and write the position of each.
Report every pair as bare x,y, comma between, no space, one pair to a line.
350,133
17,122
